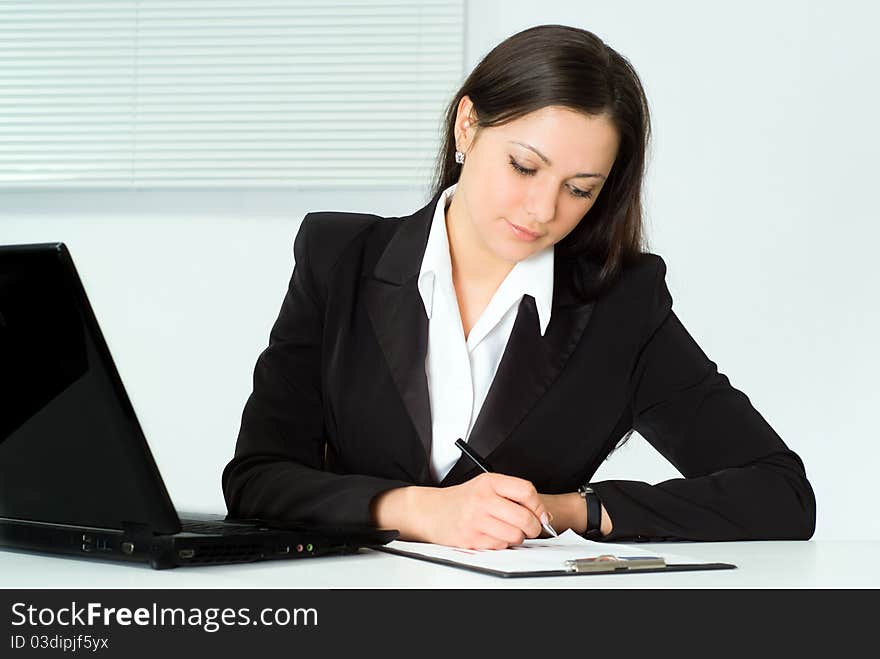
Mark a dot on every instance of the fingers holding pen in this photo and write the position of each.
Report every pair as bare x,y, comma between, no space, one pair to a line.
515,503
516,489
466,515
516,516
524,493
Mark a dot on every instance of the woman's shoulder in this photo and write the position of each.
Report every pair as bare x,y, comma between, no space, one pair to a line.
638,293
329,232
641,276
644,264
331,238
637,273
337,226
642,289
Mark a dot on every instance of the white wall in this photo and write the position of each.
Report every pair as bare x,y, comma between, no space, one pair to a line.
760,199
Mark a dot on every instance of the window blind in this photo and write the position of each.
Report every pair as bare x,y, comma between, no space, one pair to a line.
196,93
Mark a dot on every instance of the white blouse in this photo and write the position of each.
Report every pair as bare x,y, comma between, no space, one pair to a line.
461,371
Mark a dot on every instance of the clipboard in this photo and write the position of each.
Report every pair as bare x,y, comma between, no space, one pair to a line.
592,565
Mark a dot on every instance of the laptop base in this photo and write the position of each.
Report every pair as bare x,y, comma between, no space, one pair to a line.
240,543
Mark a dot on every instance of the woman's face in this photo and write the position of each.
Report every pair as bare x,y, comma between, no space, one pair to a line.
540,173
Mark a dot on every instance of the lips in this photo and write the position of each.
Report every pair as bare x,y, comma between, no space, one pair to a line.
523,231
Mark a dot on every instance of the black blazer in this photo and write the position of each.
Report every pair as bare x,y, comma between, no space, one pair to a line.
340,411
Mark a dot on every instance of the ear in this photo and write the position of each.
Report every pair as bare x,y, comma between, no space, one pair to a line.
465,123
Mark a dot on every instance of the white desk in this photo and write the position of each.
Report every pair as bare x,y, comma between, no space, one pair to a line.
764,564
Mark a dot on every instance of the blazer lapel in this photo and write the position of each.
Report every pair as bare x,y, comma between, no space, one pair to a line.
529,366
399,320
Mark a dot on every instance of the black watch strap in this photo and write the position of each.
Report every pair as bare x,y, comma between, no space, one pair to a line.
594,512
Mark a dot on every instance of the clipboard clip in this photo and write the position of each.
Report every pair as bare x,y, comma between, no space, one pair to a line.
611,563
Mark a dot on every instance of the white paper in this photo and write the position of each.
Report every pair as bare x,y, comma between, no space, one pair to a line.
531,556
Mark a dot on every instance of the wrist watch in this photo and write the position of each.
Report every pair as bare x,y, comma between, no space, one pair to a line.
594,512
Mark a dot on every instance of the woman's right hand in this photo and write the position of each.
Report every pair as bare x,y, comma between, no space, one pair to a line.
490,511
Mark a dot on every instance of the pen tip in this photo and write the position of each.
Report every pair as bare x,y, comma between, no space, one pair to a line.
550,530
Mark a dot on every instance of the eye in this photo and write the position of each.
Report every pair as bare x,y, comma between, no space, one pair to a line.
575,192
521,169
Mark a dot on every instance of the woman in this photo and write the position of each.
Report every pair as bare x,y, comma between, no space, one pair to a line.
519,312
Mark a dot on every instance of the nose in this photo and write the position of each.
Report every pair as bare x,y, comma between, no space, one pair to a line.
541,203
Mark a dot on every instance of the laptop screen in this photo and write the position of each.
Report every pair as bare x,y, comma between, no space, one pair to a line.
71,449
42,345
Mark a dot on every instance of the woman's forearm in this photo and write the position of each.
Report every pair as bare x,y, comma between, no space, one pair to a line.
403,508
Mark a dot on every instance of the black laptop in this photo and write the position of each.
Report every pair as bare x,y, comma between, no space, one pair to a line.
76,473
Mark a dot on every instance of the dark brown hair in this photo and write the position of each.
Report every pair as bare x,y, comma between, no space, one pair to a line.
559,65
